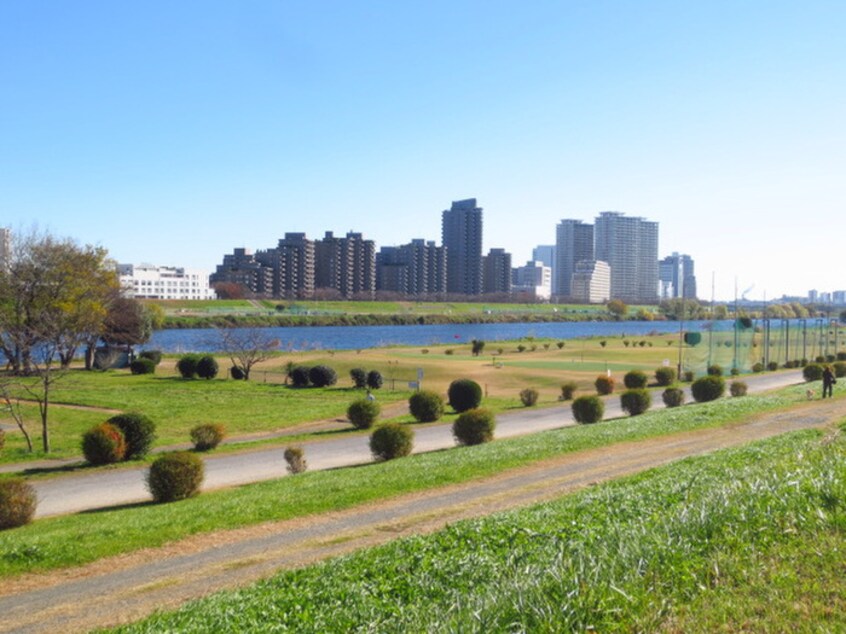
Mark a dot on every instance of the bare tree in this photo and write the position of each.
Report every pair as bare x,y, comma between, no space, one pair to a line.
13,406
246,347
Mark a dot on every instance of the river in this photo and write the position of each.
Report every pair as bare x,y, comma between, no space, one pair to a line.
360,337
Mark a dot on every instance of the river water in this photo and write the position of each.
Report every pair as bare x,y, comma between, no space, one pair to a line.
360,337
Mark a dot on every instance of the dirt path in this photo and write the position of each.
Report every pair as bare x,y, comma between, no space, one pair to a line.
135,585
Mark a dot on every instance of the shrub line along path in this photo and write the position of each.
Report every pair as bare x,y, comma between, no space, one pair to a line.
77,492
128,587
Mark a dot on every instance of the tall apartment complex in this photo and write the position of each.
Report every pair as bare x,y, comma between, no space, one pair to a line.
591,283
346,264
461,234
417,268
574,242
630,247
496,275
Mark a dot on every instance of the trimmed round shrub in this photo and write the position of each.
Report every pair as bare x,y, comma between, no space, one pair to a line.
839,368
207,367
688,376
772,366
391,440
635,379
474,427
374,379
708,388
588,409
295,457
736,371
464,395
142,366
426,406
738,388
714,370
665,377
841,356
17,503
237,373
529,396
207,436
812,372
103,444
299,376
636,401
153,355
819,359
604,385
322,376
673,397
175,476
363,413
139,432
187,365
568,389
359,377
758,367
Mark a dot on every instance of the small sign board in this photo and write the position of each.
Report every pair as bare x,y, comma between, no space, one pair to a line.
413,385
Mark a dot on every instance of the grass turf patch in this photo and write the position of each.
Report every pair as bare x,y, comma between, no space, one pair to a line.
624,556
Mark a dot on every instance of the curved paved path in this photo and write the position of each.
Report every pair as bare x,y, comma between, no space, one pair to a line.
100,489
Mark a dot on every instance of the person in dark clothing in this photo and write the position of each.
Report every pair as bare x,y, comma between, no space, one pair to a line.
828,381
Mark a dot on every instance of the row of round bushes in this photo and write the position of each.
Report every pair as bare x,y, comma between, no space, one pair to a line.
123,437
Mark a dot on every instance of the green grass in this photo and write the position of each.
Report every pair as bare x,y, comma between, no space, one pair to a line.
662,550
76,539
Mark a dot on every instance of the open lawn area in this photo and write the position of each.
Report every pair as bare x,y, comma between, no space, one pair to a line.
265,404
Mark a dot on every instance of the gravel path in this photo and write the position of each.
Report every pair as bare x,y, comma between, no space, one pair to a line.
125,588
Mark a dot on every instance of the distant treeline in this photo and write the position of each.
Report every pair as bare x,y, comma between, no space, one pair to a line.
253,321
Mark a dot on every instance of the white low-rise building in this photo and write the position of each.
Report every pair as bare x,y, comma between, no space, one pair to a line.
534,278
146,281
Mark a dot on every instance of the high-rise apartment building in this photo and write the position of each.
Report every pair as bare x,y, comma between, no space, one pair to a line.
573,243
417,268
461,231
675,273
346,264
292,262
534,279
630,247
497,272
242,268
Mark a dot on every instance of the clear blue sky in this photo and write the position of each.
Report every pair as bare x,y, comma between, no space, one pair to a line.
172,132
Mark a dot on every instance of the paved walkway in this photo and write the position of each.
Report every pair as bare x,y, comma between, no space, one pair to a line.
106,488
126,588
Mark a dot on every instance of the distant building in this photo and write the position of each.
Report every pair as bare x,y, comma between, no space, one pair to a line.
5,247
573,243
417,269
461,234
545,254
292,262
839,297
146,281
630,247
591,282
346,264
241,268
676,277
497,272
533,279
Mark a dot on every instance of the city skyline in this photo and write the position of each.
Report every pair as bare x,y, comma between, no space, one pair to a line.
170,133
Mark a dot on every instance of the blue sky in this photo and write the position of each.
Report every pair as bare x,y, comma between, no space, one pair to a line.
172,132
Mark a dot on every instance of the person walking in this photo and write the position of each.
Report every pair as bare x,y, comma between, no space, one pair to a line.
828,381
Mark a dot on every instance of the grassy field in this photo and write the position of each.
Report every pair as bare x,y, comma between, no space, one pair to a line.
264,404
707,544
76,539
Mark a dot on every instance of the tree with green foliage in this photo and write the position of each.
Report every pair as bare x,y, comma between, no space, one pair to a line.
617,308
